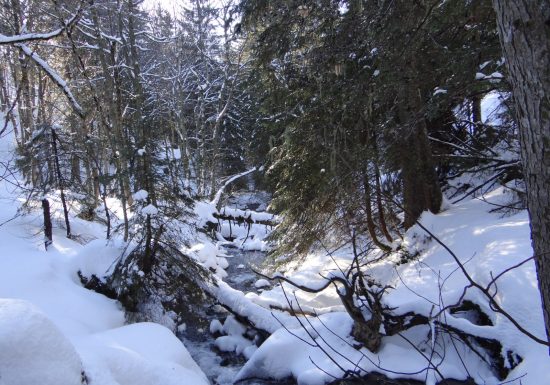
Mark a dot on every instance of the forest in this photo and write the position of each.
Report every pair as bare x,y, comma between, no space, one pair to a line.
274,192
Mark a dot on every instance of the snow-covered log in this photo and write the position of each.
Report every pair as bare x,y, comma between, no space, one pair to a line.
247,216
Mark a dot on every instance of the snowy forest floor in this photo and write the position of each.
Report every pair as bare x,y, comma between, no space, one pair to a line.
53,331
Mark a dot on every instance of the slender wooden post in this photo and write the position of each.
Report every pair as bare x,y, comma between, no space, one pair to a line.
48,237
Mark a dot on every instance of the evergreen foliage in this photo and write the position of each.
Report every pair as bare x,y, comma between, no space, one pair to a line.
366,103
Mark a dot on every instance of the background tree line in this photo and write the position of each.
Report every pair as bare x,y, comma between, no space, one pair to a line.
108,99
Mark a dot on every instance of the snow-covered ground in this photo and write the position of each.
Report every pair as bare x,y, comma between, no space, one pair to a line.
486,243
55,332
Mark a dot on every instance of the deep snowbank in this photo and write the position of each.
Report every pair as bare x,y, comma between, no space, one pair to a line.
74,319
32,349
55,332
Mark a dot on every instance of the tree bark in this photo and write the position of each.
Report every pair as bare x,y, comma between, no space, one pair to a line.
524,29
421,189
371,227
60,183
476,115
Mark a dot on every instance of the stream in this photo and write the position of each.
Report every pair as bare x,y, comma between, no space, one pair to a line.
221,367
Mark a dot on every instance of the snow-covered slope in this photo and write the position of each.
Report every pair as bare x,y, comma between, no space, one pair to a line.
486,243
55,332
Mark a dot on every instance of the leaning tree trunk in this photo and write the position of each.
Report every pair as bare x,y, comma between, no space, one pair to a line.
524,28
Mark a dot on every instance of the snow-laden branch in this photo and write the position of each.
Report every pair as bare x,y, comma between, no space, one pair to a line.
53,75
218,195
33,36
29,37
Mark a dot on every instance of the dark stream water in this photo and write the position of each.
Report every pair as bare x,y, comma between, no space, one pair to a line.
221,367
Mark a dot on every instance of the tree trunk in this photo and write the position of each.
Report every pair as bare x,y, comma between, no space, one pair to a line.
524,28
381,216
476,115
371,227
60,183
421,189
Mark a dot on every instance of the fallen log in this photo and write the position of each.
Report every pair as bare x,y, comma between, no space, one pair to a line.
241,219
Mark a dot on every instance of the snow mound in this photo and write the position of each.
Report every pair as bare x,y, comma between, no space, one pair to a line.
210,257
32,349
139,354
260,283
233,341
98,258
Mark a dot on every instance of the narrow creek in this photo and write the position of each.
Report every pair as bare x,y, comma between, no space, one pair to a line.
221,367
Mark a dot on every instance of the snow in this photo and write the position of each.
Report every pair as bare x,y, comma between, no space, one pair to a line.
44,308
210,256
232,327
484,64
234,339
51,312
27,340
204,211
150,209
97,258
140,195
52,329
244,237
219,193
262,318
486,243
249,214
139,354
495,77
181,328
262,283
28,36
216,326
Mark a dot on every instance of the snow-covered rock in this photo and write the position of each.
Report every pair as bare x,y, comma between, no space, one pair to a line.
260,283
